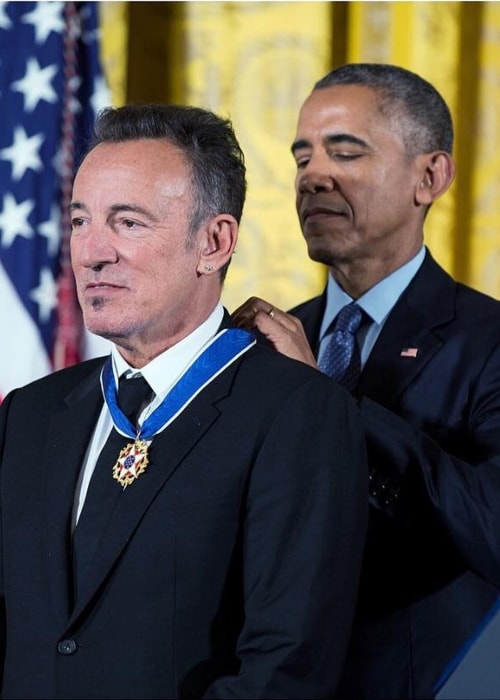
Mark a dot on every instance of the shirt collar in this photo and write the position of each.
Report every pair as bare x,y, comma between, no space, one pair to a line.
378,301
162,372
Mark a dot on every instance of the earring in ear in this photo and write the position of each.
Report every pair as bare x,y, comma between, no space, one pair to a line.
208,268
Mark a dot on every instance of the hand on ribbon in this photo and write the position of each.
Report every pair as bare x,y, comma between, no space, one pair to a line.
284,331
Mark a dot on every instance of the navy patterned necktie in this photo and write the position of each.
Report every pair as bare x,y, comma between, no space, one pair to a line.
341,358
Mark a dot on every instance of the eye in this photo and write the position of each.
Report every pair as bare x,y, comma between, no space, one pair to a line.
302,158
302,163
345,155
77,222
128,224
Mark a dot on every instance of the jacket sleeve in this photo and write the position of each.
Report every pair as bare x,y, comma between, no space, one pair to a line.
450,472
304,532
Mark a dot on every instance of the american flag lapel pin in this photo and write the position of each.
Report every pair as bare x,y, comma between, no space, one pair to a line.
409,352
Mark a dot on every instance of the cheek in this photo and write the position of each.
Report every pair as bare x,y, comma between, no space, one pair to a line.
298,195
75,252
169,273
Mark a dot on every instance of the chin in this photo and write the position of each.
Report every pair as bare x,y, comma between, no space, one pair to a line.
102,327
321,254
330,252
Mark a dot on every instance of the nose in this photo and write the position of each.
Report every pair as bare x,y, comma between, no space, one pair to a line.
93,247
315,177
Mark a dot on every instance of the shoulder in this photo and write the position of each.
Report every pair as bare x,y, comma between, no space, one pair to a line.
439,298
61,382
473,299
310,306
270,371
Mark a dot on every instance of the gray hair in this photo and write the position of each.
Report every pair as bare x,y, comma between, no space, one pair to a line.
207,141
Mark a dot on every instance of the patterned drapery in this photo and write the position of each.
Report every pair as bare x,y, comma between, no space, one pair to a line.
255,62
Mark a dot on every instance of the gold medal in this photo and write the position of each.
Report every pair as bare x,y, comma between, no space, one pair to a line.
132,462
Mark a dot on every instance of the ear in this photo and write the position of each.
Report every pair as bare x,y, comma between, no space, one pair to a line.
437,174
217,243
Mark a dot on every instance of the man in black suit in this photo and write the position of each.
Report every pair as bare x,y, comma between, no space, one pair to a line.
373,152
214,550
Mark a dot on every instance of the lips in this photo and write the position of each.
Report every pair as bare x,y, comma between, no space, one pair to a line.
101,286
317,213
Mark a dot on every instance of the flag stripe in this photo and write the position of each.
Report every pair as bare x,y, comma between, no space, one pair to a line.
51,87
20,340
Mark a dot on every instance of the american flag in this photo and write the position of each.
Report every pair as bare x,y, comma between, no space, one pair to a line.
409,352
51,87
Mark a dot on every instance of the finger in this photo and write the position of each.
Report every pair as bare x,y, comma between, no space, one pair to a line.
247,312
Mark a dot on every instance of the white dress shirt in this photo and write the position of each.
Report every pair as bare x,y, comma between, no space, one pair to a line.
161,374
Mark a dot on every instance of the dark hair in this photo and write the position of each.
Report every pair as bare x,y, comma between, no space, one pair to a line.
207,141
419,109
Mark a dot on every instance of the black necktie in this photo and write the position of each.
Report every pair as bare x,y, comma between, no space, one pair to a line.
341,359
104,491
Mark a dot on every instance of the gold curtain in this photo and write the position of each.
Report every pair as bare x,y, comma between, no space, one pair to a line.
256,61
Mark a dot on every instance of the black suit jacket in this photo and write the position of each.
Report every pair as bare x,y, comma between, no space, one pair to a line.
230,566
433,433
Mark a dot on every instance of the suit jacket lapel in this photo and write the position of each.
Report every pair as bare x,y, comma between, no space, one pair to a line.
67,441
311,316
413,333
168,450
416,322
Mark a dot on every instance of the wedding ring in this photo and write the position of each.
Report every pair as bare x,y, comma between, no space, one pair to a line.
270,313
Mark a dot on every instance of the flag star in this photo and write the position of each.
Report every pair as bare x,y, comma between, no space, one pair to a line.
74,83
51,230
75,106
63,164
24,153
63,167
14,219
89,37
101,96
47,17
5,21
57,161
74,103
35,85
45,295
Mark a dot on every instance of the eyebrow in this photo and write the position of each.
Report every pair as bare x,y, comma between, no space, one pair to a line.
332,139
117,208
77,205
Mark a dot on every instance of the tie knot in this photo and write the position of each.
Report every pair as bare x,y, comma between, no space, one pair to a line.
349,318
132,393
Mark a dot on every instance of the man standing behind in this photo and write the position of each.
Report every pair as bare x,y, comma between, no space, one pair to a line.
373,152
206,541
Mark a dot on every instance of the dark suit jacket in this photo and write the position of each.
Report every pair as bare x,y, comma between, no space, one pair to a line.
433,431
230,568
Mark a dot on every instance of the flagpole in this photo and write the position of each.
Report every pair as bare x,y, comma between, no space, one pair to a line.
69,329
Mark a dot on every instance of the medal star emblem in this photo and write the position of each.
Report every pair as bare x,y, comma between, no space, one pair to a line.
132,462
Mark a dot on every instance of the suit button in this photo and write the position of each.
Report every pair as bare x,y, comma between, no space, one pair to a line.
67,647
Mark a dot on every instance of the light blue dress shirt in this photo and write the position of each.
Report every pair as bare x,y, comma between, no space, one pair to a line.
377,302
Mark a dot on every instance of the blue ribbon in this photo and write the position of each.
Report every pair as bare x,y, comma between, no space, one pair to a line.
226,347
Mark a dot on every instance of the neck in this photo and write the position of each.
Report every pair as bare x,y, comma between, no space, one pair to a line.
358,276
140,350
